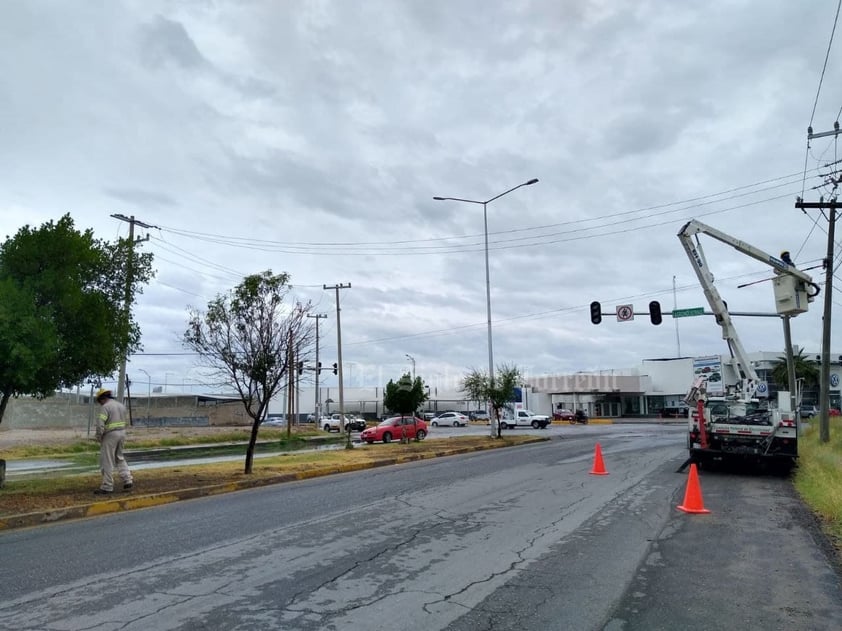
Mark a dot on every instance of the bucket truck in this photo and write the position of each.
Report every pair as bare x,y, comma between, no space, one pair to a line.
739,424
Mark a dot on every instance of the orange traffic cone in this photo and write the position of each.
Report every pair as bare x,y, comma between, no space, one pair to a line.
598,465
693,495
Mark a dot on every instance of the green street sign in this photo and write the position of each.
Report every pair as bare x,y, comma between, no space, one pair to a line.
687,313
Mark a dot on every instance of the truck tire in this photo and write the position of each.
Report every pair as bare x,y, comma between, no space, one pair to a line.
537,425
327,428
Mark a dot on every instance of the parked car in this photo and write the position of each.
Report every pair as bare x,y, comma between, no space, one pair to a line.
478,415
563,415
274,420
396,428
806,411
676,412
834,412
450,419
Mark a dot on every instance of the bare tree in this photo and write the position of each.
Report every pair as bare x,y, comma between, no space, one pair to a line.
246,336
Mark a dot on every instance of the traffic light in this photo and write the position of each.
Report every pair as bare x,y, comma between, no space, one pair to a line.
319,368
655,312
596,312
335,368
300,368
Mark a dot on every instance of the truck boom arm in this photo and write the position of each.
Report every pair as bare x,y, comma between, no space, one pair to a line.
697,258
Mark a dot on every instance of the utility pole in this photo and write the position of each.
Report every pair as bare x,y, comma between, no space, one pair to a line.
339,360
824,387
318,409
121,380
675,307
290,386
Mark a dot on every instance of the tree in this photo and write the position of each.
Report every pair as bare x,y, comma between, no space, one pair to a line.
498,391
62,310
405,397
806,369
248,337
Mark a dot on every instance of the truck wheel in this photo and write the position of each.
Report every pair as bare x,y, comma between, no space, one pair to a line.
327,427
535,425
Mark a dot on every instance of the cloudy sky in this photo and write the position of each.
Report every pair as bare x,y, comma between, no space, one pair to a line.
311,136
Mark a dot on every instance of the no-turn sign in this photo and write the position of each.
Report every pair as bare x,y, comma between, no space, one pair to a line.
625,313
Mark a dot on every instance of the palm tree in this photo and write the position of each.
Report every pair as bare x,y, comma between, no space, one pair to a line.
805,369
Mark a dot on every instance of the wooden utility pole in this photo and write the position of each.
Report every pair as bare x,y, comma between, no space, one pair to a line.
127,304
290,385
317,412
824,386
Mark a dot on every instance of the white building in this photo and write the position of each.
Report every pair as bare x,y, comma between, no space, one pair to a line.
642,391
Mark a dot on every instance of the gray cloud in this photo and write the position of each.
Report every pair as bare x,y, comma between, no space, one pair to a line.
311,137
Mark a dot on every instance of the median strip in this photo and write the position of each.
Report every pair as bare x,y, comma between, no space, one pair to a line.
61,498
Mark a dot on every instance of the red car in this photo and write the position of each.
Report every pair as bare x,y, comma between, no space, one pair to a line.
563,415
396,428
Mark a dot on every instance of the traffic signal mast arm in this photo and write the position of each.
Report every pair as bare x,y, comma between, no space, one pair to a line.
688,236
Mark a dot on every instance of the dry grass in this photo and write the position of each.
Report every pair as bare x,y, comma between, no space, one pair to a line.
818,478
34,495
143,438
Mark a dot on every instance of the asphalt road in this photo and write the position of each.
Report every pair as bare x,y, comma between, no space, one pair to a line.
507,539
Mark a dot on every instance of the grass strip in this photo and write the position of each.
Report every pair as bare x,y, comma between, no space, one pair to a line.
818,478
49,493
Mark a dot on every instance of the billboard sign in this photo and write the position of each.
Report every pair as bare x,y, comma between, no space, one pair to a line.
710,367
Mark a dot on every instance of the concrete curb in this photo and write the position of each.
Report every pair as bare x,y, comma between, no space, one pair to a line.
131,502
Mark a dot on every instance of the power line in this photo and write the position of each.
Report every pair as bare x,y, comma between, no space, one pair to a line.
310,247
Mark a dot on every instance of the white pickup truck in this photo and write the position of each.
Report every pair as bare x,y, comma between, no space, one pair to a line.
331,423
525,418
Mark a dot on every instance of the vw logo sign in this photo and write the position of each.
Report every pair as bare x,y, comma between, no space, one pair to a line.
834,380
762,388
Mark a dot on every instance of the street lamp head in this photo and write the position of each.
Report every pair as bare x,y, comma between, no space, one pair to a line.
441,199
534,180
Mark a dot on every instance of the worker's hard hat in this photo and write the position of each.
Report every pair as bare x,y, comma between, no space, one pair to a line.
102,392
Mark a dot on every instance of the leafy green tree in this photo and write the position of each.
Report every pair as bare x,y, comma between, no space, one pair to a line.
498,391
806,369
249,337
62,308
405,397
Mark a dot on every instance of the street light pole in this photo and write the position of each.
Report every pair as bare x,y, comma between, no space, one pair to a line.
412,359
339,363
488,274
